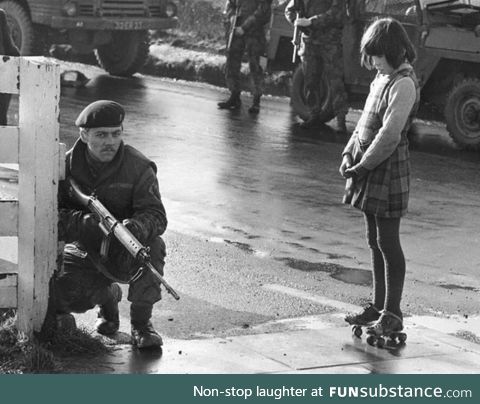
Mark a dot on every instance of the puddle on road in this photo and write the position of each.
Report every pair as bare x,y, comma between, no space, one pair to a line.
456,287
354,276
242,246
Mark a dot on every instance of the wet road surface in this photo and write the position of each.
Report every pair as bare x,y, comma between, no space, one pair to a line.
264,185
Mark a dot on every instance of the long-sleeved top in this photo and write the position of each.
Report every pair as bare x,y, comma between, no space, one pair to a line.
399,100
324,15
252,15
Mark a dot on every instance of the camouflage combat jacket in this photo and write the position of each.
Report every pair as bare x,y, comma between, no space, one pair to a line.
253,15
326,15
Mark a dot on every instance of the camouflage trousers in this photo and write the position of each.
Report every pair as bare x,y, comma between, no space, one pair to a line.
325,59
254,46
80,286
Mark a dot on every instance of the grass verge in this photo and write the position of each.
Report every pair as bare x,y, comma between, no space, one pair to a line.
20,354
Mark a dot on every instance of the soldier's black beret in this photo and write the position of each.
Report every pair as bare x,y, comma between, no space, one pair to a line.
102,113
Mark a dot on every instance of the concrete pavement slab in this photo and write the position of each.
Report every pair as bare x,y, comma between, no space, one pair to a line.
320,350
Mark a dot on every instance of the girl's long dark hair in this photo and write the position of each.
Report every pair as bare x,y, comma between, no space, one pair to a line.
386,37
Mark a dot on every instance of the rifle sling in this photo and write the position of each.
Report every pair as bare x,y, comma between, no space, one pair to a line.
97,261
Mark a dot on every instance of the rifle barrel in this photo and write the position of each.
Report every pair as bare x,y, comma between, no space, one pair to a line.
163,281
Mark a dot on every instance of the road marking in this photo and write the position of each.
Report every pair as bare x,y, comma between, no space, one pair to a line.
346,307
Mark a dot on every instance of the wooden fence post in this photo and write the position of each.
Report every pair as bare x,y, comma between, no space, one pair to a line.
38,181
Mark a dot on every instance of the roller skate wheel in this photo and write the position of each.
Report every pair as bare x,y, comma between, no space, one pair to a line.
402,337
357,331
391,342
371,340
380,342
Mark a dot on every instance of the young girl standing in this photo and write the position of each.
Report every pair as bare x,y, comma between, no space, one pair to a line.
376,161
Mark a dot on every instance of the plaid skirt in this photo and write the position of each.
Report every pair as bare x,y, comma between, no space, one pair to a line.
384,191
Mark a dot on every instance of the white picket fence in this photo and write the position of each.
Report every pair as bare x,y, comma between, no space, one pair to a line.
28,210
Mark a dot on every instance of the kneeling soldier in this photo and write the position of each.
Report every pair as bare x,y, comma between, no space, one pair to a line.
125,182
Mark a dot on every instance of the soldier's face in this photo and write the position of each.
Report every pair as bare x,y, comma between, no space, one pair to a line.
102,143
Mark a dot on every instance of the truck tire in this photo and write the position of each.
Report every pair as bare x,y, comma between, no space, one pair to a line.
302,106
21,26
125,54
462,113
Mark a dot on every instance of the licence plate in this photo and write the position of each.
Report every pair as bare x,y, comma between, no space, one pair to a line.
129,25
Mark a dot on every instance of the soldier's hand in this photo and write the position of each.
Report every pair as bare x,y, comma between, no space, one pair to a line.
346,164
135,228
303,22
239,31
89,230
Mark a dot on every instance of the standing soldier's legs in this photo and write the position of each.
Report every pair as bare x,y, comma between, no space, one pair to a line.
232,73
312,63
143,293
333,56
255,47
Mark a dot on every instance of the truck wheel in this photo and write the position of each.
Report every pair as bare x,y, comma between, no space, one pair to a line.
462,113
303,105
125,54
21,26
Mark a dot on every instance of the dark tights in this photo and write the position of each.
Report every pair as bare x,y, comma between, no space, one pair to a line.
383,238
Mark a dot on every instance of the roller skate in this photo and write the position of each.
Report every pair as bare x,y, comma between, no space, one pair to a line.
388,326
367,317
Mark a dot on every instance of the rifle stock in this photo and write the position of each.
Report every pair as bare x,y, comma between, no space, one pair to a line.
295,42
233,25
111,226
300,8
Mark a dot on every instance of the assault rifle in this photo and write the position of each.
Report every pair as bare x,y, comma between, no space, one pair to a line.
112,227
295,42
300,7
233,25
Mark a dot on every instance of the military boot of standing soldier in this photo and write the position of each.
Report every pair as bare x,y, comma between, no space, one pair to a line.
255,107
233,102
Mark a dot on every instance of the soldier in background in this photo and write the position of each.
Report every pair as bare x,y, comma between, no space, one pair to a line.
321,23
8,48
248,35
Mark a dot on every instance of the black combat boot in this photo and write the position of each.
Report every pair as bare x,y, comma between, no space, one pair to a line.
311,123
108,316
65,323
233,102
255,108
143,333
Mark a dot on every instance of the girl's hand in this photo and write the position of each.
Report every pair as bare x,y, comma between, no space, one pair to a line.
357,172
346,164
303,22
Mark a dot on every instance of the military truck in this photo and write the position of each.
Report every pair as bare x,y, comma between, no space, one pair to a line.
116,30
447,38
